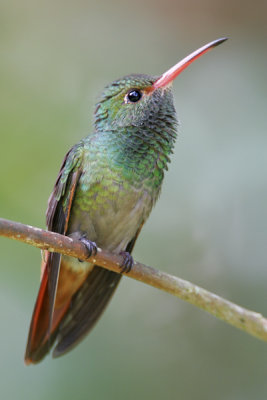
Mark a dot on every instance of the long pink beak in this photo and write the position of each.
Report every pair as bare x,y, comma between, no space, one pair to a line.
174,71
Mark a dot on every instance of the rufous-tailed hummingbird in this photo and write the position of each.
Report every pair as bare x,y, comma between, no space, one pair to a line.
105,190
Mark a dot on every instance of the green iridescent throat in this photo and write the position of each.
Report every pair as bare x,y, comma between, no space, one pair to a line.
137,137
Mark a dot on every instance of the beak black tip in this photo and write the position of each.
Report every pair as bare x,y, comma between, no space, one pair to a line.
219,41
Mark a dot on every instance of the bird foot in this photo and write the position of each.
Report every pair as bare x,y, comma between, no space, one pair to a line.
91,247
127,263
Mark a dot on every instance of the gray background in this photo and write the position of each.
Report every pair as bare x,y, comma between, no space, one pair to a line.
209,225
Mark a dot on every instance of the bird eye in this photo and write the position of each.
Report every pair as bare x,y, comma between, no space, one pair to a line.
134,95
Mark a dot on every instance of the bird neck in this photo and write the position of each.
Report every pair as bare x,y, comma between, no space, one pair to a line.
141,152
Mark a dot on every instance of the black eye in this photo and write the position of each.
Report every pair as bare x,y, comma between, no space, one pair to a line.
134,95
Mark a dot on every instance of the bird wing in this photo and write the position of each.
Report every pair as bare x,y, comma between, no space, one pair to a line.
69,323
44,320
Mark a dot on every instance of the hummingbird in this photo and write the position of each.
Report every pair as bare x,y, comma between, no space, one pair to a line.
107,186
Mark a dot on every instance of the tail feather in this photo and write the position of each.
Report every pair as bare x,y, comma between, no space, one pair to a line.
39,341
80,301
86,307
72,320
38,327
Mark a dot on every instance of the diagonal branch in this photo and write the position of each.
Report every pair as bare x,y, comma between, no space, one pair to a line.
249,321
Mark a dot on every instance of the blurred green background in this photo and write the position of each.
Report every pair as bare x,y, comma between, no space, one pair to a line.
210,225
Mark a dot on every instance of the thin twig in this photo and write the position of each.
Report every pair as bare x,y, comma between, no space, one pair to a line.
249,321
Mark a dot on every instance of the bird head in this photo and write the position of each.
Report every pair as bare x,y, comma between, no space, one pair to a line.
138,100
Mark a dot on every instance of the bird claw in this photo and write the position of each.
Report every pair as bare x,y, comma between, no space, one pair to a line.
127,263
91,247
